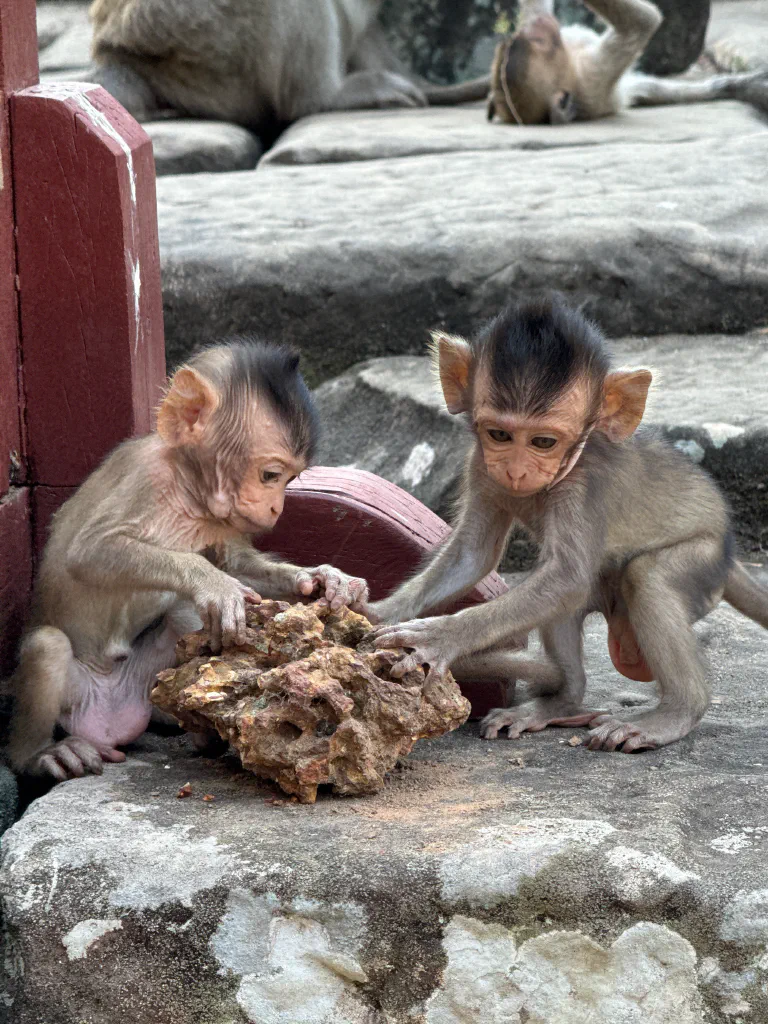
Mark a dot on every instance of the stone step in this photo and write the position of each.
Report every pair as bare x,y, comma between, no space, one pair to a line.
500,881
358,259
387,416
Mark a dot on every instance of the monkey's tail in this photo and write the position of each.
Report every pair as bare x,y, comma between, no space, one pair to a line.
464,92
747,595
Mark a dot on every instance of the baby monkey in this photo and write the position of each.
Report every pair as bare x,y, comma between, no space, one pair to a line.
545,74
156,543
626,526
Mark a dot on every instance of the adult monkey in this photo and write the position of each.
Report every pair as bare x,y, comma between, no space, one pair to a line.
547,75
157,539
626,525
261,63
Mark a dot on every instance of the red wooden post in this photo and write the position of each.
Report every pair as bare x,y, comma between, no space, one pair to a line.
369,527
18,69
79,245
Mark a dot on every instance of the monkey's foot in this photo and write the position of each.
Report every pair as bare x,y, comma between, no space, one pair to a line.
533,716
73,757
646,732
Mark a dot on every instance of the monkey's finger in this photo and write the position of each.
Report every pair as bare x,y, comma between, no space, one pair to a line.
71,762
304,583
87,753
577,720
215,628
49,765
250,596
637,743
407,664
111,754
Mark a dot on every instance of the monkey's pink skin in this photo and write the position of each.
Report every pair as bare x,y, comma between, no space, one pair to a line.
640,672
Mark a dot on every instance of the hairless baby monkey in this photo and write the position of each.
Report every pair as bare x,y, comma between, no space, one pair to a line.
626,525
158,539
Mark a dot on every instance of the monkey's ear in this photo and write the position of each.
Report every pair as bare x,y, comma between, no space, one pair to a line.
452,362
625,393
186,408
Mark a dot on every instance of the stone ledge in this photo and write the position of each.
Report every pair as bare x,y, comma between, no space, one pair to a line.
475,883
385,134
646,239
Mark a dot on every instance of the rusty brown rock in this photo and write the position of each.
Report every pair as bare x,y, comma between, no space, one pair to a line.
306,702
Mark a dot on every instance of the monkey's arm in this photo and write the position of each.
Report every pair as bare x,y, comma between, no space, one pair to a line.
115,560
631,25
283,581
472,551
559,586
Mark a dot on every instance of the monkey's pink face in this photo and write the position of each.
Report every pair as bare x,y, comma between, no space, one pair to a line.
255,505
524,453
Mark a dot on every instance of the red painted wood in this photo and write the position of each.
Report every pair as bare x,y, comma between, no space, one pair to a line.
91,306
367,526
18,69
15,572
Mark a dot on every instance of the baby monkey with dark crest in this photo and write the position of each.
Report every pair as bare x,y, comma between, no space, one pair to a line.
156,542
626,525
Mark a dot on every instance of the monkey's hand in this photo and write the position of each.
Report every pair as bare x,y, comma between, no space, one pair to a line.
432,642
220,603
71,758
336,588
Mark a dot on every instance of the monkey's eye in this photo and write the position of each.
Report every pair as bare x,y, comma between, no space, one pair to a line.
500,436
543,442
269,476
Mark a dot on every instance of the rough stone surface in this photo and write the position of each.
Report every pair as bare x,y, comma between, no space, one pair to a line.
186,146
348,265
64,38
8,798
503,882
383,134
737,38
387,416
305,703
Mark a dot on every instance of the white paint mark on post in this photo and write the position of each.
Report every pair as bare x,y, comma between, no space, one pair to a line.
78,92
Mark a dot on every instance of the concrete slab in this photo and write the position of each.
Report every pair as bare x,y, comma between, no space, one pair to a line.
502,882
383,134
359,259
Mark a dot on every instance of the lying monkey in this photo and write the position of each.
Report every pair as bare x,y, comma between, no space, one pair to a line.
627,526
260,63
156,542
547,75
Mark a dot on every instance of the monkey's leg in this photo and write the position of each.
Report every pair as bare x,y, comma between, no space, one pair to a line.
660,590
560,692
45,667
370,90
648,91
129,89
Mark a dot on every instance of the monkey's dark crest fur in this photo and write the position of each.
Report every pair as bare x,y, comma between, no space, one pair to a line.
271,372
626,526
534,352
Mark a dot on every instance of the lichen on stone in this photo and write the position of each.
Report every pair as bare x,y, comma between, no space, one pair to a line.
306,701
